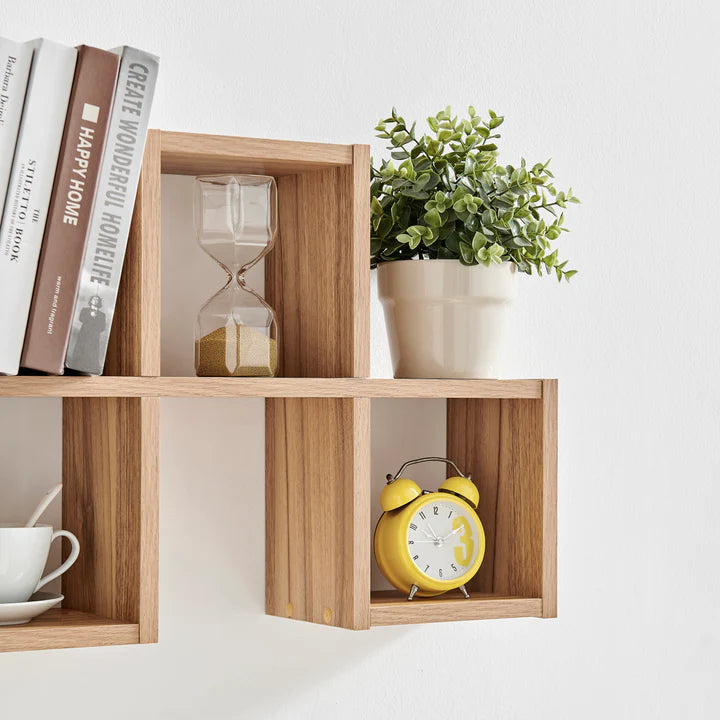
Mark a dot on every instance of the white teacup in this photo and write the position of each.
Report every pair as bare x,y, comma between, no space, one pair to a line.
23,554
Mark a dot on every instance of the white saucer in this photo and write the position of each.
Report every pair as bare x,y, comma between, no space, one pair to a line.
24,612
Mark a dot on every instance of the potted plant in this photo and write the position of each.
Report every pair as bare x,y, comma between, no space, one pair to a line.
450,229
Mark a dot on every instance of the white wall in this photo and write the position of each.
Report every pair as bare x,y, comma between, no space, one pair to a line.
624,97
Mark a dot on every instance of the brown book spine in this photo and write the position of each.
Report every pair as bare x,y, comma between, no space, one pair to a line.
73,194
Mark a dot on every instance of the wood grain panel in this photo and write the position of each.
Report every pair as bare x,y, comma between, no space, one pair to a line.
361,263
197,154
550,497
36,386
518,522
134,345
63,628
473,440
501,443
318,510
110,478
390,608
317,277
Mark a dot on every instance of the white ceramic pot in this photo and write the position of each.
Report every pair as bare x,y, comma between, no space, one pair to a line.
445,319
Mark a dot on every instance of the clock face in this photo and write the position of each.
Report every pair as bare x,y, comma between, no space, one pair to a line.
442,540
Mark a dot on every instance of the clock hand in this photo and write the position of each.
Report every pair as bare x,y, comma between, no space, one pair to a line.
434,535
456,530
427,534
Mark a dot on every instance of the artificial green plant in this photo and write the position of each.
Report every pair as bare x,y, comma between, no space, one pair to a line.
448,198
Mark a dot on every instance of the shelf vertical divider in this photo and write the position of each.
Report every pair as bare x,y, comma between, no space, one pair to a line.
318,510
134,345
550,497
317,278
110,472
318,449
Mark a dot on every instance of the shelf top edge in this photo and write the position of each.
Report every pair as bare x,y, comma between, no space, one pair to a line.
106,386
194,153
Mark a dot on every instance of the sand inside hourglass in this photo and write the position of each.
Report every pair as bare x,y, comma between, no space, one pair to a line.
236,350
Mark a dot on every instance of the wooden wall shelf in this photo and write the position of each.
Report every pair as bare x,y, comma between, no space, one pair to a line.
36,386
318,517
391,608
319,521
61,628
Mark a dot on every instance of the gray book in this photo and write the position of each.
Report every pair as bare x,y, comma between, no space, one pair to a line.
112,212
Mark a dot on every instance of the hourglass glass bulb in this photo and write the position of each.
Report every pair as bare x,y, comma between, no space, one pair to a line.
236,222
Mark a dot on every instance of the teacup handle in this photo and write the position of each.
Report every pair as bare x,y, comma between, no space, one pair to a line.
68,563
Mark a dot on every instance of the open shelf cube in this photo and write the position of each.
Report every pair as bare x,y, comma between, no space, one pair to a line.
317,275
109,501
319,520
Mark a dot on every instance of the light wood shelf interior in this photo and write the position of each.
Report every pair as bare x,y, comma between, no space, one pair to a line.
317,419
392,608
61,628
37,386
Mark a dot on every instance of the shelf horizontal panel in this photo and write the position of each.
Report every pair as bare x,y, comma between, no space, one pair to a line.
44,386
392,608
197,154
65,628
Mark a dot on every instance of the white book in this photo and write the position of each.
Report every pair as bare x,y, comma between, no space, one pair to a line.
15,59
29,189
112,211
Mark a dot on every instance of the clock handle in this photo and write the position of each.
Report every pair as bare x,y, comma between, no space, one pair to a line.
447,461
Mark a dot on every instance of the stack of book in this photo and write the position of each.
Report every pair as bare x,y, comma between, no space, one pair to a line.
73,123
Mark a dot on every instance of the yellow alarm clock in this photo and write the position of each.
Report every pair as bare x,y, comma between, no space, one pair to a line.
427,543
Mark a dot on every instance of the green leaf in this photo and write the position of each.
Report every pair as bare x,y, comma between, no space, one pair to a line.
452,243
415,194
433,219
466,253
376,207
479,241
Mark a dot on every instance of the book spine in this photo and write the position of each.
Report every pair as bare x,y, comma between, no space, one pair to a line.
15,60
112,212
28,196
71,202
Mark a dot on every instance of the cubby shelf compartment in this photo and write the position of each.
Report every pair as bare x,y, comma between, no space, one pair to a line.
318,514
110,502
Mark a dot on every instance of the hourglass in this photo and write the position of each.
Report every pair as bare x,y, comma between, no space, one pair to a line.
236,223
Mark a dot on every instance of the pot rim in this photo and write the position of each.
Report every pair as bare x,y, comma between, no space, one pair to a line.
504,263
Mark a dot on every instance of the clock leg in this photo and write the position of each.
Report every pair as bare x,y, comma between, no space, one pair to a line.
464,591
413,590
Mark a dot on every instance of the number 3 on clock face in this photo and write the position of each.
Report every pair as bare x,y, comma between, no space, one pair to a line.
443,540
